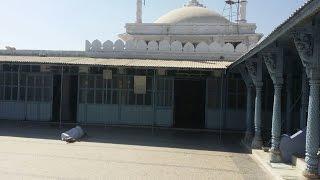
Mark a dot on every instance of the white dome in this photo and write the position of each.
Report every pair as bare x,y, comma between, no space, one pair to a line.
192,15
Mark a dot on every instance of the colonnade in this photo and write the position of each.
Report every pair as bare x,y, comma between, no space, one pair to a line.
307,43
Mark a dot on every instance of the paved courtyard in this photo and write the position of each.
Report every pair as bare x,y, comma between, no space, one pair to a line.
35,152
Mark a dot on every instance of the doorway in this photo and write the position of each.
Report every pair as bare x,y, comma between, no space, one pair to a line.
189,106
68,102
56,98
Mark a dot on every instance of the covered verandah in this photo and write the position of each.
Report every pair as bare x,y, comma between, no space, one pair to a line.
84,90
286,65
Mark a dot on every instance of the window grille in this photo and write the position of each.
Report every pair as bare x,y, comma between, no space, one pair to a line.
93,89
25,83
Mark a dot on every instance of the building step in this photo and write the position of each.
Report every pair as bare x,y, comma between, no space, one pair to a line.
299,163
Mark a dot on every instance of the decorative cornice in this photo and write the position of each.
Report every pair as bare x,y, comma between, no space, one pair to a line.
307,10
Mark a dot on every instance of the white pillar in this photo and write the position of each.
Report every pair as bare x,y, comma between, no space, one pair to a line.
243,11
139,11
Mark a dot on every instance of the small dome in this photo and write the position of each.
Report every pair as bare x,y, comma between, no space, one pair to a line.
192,15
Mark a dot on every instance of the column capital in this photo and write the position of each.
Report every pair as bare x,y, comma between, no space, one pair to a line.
254,68
270,62
274,63
303,41
306,45
245,75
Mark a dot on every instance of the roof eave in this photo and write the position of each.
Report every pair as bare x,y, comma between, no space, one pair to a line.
310,8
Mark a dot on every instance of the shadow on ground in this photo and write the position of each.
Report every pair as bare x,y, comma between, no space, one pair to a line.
210,141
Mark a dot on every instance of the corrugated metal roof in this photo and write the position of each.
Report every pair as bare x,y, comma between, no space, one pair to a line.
309,8
179,64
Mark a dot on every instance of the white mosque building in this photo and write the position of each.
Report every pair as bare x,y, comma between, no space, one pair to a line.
192,28
193,69
195,23
169,73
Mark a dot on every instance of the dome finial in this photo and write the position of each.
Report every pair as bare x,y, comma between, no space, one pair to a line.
194,3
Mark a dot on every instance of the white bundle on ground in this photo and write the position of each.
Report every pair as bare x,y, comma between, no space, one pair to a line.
73,134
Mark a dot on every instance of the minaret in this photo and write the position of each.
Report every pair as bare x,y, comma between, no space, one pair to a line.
243,11
139,11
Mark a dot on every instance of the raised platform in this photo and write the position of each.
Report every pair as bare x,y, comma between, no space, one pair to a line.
299,163
279,171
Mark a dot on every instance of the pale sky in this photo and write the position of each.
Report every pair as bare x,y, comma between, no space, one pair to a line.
66,24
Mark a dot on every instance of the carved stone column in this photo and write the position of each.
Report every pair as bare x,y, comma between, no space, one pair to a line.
255,72
307,42
276,125
249,122
313,131
257,140
249,119
274,63
304,100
